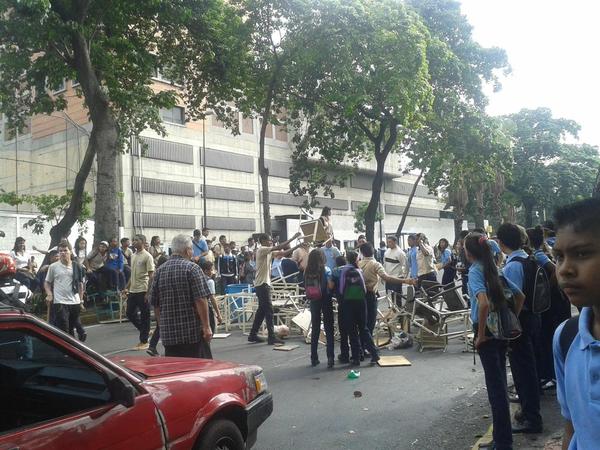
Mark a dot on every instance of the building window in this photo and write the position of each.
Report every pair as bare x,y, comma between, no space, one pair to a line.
281,133
62,87
247,125
173,115
75,83
217,123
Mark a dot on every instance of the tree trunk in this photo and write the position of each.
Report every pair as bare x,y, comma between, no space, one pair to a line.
262,168
596,193
458,223
528,207
63,227
104,138
106,211
380,157
479,208
408,203
264,179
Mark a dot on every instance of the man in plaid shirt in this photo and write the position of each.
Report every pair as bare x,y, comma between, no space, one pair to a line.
179,296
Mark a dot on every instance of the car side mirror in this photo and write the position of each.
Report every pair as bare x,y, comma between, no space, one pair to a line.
122,391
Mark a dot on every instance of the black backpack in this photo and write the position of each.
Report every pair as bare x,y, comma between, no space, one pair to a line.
352,284
567,336
536,285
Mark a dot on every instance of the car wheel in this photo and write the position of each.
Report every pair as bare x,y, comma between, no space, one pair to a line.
221,435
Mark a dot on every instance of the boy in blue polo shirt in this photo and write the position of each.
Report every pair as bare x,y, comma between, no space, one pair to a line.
577,357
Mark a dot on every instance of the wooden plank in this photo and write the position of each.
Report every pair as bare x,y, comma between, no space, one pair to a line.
393,361
221,335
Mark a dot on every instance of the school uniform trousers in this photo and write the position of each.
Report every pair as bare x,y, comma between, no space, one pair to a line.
523,366
355,321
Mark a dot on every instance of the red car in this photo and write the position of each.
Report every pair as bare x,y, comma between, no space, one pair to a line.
56,393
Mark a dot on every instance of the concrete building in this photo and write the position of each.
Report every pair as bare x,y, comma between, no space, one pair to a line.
162,186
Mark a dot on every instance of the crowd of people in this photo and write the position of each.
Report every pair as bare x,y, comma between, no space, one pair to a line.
501,277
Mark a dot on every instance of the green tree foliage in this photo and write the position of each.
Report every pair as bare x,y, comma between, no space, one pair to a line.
52,208
399,79
537,142
372,89
460,149
113,48
359,217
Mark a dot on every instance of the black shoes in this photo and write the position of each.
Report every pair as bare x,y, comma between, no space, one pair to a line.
83,337
374,359
315,362
343,359
254,339
526,427
152,351
273,340
355,362
330,363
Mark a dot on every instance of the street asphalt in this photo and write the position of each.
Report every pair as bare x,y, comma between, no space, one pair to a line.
439,402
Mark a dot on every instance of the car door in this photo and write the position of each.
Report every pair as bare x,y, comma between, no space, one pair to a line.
54,397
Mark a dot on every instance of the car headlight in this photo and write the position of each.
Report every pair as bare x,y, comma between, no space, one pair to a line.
260,381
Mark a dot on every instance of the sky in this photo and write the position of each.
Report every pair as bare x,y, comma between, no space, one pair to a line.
553,47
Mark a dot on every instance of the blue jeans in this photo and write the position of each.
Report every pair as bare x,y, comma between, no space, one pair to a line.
317,308
493,359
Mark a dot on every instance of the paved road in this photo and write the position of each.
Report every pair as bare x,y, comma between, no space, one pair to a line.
437,403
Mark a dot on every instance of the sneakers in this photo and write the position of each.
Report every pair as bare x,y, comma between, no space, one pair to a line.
152,351
254,339
142,346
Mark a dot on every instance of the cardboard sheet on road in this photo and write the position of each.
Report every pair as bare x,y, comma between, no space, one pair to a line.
221,335
285,348
393,361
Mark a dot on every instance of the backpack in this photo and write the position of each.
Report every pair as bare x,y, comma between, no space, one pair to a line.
313,287
352,285
567,336
502,322
536,286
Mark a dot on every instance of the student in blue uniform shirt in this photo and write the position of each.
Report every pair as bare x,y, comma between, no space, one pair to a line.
413,267
577,253
559,311
485,287
522,356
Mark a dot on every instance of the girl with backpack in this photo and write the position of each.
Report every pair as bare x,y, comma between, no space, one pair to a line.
317,287
487,289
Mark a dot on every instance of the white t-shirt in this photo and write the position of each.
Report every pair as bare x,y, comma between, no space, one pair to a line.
263,266
394,262
22,261
61,278
211,286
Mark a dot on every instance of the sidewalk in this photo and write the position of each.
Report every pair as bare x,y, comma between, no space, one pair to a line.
550,439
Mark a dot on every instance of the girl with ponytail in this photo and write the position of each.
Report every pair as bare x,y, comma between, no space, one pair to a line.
485,287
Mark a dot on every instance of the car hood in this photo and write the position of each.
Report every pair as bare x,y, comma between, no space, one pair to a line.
162,366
